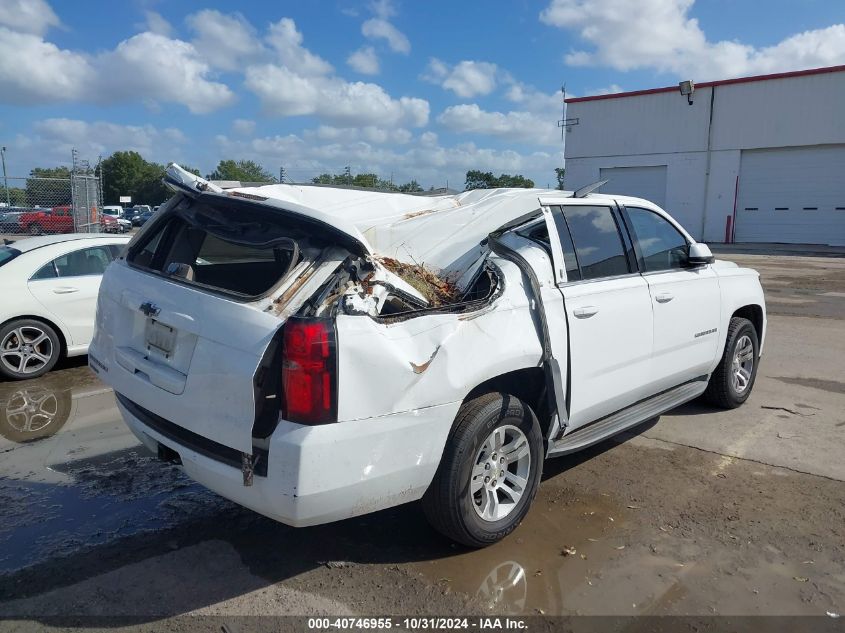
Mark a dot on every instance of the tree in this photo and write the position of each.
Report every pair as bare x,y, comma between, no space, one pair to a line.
48,187
365,181
516,181
17,197
480,180
128,174
486,180
560,172
241,170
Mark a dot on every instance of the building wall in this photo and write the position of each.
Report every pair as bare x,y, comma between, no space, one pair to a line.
662,129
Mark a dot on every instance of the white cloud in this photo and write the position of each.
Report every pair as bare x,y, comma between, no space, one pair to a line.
287,41
426,161
147,66
224,41
163,69
286,93
364,61
383,8
369,134
34,71
466,79
156,23
533,100
660,34
243,127
523,127
53,139
379,28
28,16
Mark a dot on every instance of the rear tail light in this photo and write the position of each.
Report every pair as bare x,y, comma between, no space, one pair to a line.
309,371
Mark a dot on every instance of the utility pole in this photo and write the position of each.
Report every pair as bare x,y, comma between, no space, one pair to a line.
281,174
5,180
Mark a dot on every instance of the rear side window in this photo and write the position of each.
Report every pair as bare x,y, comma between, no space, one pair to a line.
661,245
596,240
88,261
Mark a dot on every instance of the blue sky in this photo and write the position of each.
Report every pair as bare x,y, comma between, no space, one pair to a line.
421,90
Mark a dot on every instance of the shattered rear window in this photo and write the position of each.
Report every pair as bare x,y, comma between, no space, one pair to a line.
241,252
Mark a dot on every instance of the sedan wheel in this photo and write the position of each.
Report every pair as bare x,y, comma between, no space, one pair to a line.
28,349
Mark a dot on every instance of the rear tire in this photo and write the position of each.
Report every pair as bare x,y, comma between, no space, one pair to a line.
35,229
28,349
480,493
733,379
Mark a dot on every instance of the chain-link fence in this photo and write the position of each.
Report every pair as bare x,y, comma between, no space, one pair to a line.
39,206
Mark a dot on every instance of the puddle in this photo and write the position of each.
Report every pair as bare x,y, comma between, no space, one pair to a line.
72,475
555,562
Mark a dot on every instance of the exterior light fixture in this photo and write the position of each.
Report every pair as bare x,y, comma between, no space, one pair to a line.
687,88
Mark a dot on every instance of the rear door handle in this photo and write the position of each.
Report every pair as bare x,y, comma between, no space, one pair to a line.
664,297
65,290
585,312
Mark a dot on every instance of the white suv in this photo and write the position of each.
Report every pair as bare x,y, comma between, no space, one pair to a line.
286,347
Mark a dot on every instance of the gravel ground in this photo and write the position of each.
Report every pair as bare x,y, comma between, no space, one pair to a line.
697,513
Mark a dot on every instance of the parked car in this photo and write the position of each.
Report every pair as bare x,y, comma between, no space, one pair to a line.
284,346
141,219
116,212
110,224
54,281
40,221
10,220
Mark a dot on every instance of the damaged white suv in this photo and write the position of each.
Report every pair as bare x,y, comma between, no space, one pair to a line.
316,353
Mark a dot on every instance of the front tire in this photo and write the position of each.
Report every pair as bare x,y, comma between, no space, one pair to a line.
733,379
28,349
489,472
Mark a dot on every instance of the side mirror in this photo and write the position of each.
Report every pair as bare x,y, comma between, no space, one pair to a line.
699,255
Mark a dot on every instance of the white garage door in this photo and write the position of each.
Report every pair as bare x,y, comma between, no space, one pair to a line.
792,195
641,182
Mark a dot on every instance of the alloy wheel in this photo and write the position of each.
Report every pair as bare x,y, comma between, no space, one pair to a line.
500,473
26,349
743,364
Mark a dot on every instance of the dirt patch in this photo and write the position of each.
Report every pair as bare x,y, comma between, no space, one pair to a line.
437,290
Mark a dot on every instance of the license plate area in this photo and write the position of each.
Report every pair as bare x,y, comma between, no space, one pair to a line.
159,338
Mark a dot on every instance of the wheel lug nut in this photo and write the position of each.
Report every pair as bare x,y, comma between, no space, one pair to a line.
486,466
502,460
494,482
486,480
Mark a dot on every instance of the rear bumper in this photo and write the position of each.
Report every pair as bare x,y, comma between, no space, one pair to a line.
326,473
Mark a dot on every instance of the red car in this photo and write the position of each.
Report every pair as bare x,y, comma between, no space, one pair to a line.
55,220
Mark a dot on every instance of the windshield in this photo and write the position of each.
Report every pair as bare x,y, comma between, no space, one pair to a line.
7,254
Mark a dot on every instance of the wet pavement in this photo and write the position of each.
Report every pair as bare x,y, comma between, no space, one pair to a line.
699,512
72,475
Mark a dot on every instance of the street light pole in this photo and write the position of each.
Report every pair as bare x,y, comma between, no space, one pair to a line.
5,180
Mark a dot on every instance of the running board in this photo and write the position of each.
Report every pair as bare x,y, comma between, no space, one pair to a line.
627,418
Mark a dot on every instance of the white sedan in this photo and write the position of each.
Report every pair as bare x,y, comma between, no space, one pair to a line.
48,298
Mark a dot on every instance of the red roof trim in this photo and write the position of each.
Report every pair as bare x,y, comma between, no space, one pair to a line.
707,84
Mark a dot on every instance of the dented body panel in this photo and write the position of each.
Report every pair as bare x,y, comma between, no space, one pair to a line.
200,382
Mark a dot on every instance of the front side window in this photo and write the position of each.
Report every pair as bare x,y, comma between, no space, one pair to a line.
88,261
597,243
661,245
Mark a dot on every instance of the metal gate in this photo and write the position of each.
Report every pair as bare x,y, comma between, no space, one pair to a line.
37,205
